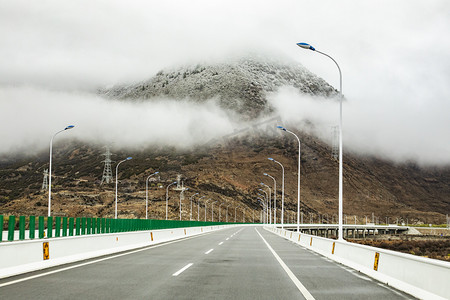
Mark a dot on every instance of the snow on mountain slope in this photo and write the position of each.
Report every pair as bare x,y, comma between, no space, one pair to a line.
240,85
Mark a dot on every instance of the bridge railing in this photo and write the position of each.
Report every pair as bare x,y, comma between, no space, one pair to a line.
422,277
21,228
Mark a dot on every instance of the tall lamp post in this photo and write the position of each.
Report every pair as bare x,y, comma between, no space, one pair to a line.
282,191
274,198
309,47
270,202
50,170
298,185
167,198
117,170
267,204
198,207
146,193
264,200
263,209
190,216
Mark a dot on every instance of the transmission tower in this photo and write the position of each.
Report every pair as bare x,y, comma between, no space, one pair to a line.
335,141
45,181
107,172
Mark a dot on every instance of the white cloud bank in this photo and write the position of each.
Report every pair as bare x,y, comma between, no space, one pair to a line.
370,128
30,117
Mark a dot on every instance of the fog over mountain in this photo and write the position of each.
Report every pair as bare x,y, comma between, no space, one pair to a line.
56,55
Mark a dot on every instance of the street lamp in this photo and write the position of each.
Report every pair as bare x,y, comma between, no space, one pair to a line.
309,47
182,191
117,170
263,209
270,202
146,193
50,170
274,198
298,188
198,207
267,204
167,198
190,216
264,202
282,192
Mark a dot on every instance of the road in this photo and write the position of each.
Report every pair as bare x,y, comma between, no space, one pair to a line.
234,263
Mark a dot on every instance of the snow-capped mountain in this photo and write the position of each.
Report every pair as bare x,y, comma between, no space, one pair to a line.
240,85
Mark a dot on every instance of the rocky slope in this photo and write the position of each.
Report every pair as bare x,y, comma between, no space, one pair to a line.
229,172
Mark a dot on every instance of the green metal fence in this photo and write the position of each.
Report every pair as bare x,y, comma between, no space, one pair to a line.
46,227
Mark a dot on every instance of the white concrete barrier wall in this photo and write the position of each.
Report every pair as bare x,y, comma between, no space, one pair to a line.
421,277
26,256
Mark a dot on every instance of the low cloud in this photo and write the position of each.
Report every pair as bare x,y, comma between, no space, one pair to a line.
375,128
31,116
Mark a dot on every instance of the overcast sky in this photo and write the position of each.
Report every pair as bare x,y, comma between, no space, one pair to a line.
394,55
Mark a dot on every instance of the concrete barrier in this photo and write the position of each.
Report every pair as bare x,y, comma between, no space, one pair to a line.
421,277
31,255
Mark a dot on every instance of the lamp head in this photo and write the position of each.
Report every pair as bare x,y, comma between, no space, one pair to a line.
155,173
306,46
281,127
265,174
129,158
69,127
270,158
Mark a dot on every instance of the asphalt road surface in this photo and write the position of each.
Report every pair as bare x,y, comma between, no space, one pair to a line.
234,263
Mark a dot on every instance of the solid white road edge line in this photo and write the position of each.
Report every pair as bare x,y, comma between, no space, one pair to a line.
99,260
209,251
220,243
182,269
291,275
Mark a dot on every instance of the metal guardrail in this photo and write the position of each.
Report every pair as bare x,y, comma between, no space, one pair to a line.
421,277
48,227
